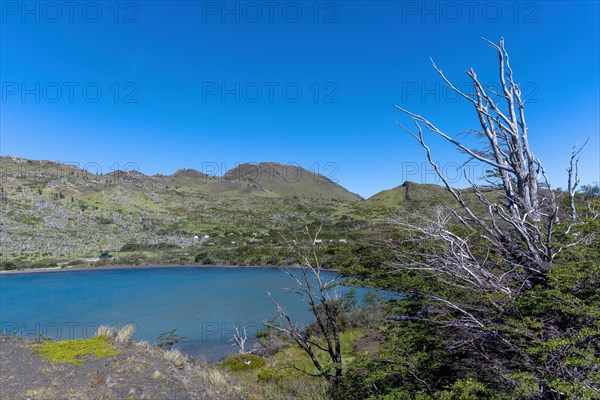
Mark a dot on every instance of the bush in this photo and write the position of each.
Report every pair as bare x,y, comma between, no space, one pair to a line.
148,247
467,389
270,375
166,340
8,265
243,362
76,262
44,264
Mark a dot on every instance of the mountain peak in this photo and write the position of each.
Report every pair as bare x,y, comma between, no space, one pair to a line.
189,172
289,180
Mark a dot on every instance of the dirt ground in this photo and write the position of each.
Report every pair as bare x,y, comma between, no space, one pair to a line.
141,371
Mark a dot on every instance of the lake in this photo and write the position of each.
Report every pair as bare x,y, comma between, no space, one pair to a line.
205,303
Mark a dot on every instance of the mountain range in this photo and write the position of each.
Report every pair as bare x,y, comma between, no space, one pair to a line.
53,210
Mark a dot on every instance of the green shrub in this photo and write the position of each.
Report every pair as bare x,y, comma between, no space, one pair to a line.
467,389
147,246
8,265
204,258
166,340
270,375
44,264
77,262
243,362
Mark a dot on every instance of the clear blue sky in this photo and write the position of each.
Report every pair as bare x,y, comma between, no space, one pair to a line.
207,85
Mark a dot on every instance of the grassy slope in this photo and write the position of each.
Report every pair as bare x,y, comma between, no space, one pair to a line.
52,211
281,377
413,197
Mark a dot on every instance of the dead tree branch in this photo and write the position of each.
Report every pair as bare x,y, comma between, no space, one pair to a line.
313,289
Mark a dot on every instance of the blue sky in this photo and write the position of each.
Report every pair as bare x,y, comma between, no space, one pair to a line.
207,85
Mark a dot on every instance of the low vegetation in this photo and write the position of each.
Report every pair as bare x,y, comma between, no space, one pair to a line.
74,351
287,373
243,362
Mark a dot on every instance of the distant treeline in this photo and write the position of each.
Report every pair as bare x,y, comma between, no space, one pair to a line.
148,246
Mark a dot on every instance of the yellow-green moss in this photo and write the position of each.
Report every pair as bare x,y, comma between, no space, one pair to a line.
72,351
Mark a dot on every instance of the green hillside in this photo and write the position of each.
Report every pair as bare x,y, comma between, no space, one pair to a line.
416,197
54,213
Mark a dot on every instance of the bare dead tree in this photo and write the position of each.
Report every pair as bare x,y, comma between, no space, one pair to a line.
239,340
573,182
521,225
492,257
315,291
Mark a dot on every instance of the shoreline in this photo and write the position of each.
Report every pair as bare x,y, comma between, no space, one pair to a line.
149,266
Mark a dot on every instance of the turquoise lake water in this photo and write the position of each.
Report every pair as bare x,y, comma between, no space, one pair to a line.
205,304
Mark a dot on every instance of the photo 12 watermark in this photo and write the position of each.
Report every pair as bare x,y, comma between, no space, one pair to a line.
270,92
14,168
270,12
53,12
226,331
69,92
56,331
454,12
437,92
454,172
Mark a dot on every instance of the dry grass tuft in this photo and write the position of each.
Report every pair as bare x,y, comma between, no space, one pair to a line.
125,334
175,357
216,378
107,331
157,375
120,336
218,383
145,345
